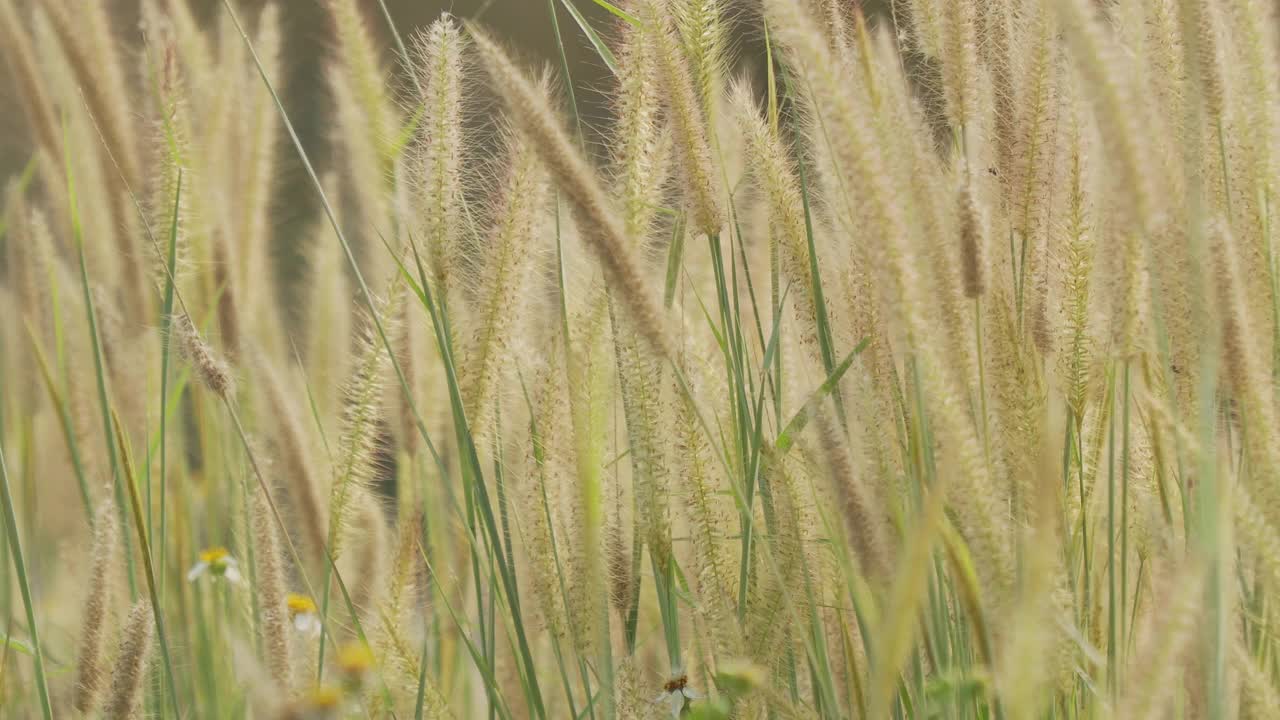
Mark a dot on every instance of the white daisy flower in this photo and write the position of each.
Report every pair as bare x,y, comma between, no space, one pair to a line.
302,610
677,695
216,561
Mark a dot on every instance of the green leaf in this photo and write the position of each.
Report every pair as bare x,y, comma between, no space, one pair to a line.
603,50
619,12
802,417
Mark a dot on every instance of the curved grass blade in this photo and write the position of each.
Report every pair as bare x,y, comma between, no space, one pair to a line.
788,435
20,567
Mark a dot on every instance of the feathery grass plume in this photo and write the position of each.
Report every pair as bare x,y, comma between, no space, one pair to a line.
639,182
258,129
355,465
1042,327
973,496
90,44
209,367
363,207
1019,399
229,302
705,517
531,112
781,571
631,701
701,24
622,578
1246,375
690,131
1161,654
1199,23
327,322
928,25
959,61
270,579
1251,140
1123,116
366,132
638,159
15,45
909,155
171,155
90,670
973,244
84,35
640,382
862,511
293,451
1252,25
1258,538
639,175
438,162
998,30
399,597
548,463
857,151
195,47
508,259
1258,696
590,393
131,663
1075,364
365,577
28,255
359,62
1026,134
777,177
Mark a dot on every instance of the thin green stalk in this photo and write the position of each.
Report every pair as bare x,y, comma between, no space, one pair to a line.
1124,510
1112,600
148,567
20,567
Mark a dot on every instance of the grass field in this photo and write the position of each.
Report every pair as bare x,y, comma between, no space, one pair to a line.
922,366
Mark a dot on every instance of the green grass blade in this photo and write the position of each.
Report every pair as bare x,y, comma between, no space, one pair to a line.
618,12
596,42
798,421
64,421
148,567
20,567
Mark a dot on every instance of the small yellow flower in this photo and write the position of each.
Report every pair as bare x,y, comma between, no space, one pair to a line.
302,610
321,703
324,696
218,562
354,661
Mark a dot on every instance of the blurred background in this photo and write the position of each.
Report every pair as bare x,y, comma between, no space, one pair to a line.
525,25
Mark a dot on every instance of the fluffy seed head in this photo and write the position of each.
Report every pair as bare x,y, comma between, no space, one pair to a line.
972,245
271,589
102,569
131,662
210,368
531,112
689,120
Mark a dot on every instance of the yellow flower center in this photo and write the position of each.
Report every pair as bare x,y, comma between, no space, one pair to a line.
300,605
215,557
324,697
355,658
